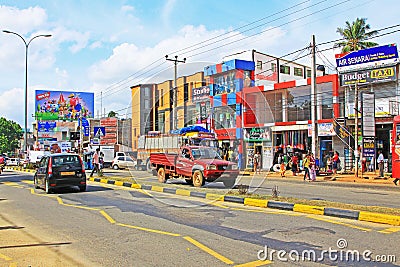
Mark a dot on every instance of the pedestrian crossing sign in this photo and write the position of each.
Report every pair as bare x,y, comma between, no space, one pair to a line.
99,132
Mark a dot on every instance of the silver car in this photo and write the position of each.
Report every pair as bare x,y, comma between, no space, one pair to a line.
123,162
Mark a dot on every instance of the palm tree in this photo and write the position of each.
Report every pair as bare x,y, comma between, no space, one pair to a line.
355,36
112,114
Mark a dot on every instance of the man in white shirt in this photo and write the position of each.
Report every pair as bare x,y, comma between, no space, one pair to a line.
380,164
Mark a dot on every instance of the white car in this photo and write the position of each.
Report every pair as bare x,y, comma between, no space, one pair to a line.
123,162
13,162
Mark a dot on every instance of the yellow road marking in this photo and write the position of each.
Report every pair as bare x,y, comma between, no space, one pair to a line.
390,230
11,183
108,217
27,181
254,263
208,250
4,257
147,229
339,223
13,264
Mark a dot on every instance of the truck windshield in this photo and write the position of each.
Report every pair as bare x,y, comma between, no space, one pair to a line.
205,153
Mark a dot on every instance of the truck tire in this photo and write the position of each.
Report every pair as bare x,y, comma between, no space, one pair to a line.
229,183
161,175
198,178
148,166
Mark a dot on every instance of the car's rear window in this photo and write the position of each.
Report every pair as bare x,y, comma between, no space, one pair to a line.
66,160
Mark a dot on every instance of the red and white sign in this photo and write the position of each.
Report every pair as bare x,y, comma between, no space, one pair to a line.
109,122
42,96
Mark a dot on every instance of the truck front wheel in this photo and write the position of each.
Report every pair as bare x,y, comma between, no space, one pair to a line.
198,178
161,175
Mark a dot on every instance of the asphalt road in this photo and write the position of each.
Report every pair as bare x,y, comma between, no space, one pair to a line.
360,194
115,226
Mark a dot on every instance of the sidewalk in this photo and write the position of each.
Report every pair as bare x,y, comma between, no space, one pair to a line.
368,178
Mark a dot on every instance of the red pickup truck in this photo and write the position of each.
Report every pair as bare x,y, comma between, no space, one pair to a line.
196,164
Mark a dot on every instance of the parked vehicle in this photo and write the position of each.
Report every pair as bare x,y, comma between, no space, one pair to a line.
155,142
123,162
13,162
59,171
132,154
196,164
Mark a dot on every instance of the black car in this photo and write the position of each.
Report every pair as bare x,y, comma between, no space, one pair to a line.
60,170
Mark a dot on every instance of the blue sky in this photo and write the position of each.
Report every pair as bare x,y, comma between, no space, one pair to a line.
102,46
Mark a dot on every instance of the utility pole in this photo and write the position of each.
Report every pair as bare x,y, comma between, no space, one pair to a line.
314,135
101,104
174,90
356,153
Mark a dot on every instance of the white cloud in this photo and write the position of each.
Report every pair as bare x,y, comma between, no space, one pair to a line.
12,105
22,21
127,9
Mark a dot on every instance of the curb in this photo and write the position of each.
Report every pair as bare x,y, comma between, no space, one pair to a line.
20,169
317,210
263,203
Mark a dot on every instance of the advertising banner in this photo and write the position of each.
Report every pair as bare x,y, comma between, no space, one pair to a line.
367,58
61,105
201,94
368,146
368,113
368,76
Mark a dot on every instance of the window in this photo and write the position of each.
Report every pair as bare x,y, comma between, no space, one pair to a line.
298,72
225,117
259,64
162,97
308,73
284,69
146,104
273,67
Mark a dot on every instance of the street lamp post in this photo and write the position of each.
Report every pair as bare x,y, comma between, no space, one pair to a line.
26,79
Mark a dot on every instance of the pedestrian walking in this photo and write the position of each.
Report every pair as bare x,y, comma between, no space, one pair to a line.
257,160
295,162
283,169
306,166
381,160
335,162
312,168
96,162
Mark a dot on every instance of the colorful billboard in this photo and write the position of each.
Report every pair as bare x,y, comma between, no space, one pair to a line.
62,105
367,58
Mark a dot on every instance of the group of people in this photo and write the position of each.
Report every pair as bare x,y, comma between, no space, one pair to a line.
310,165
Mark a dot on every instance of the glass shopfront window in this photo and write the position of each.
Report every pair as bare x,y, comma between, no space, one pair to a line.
225,117
299,103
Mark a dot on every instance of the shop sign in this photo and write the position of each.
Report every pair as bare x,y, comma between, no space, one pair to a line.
368,146
110,122
367,58
226,134
368,113
257,134
201,94
324,129
368,76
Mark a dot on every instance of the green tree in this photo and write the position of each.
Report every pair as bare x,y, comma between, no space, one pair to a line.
112,114
10,134
355,36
